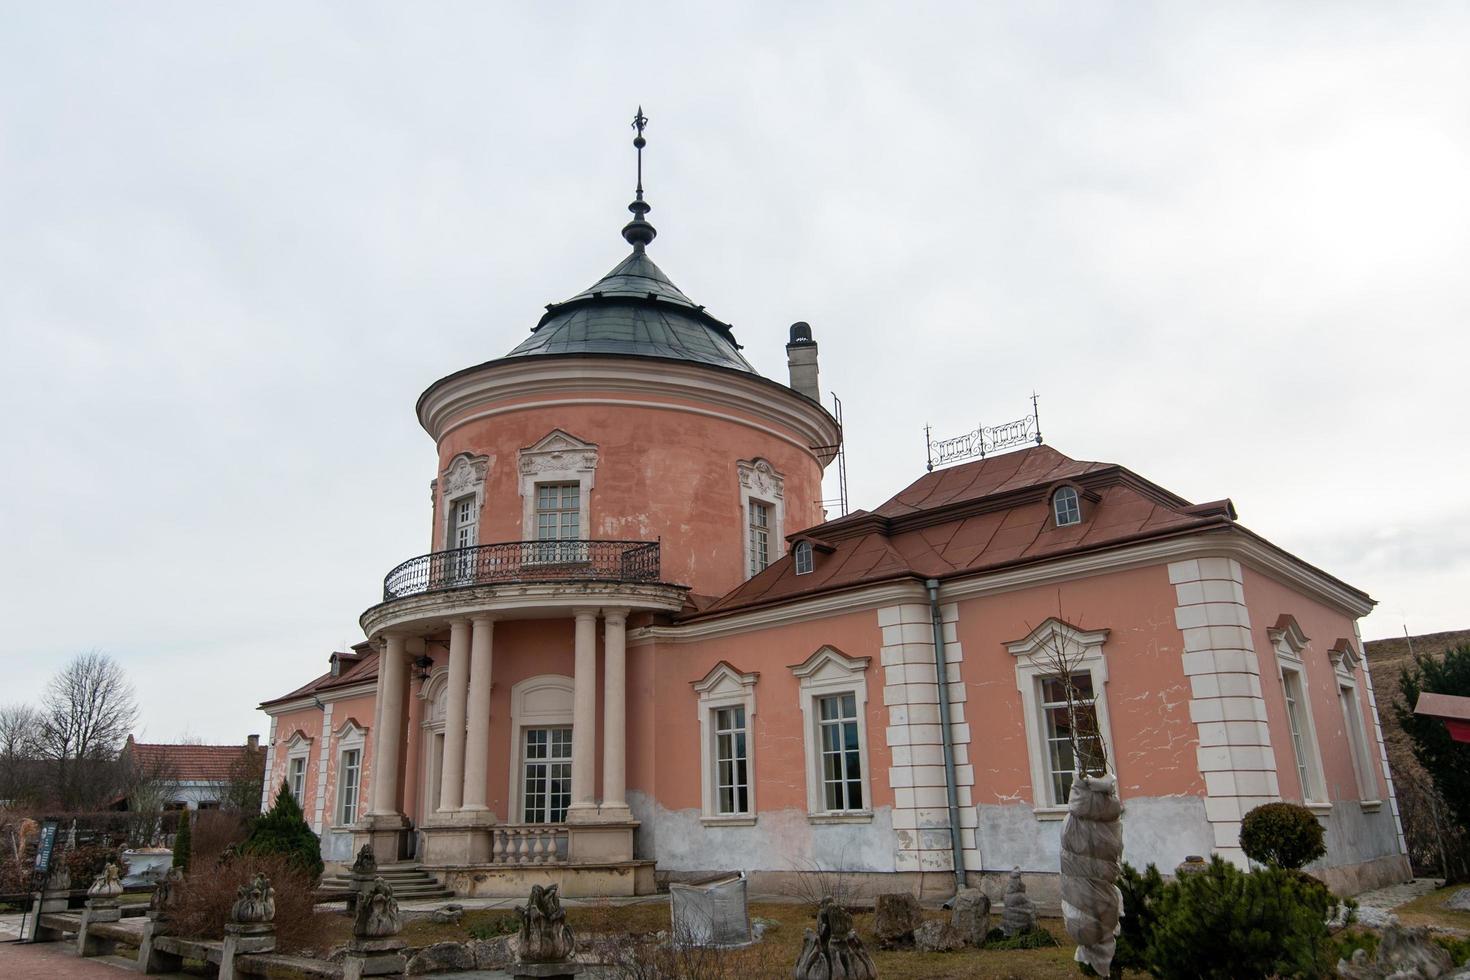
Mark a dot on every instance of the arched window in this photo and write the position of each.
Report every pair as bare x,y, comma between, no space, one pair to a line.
802,556
1065,507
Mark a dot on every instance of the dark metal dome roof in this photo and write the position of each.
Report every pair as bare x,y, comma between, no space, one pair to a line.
635,310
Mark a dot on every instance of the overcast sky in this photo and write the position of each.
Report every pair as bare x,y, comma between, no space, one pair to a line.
1226,243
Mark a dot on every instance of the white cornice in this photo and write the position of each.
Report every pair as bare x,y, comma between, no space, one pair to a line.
1225,542
431,611
350,691
548,378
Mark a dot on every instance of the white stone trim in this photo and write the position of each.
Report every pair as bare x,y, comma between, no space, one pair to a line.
270,760
463,477
915,738
434,692
1345,660
1035,654
747,400
557,457
298,746
759,482
1393,801
1352,712
321,769
1234,754
725,687
348,737
826,672
543,701
1290,643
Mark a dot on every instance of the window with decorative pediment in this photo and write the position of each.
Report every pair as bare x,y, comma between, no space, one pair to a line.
1345,661
350,742
461,491
557,475
727,748
298,758
1291,646
763,513
834,703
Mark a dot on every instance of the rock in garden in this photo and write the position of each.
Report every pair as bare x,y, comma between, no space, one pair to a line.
447,915
971,916
895,917
938,936
1403,953
1459,901
441,956
491,954
1019,915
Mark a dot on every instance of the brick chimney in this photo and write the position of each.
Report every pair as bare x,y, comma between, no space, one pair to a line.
252,742
801,360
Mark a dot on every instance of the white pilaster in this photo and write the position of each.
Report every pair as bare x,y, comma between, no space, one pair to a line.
451,778
584,720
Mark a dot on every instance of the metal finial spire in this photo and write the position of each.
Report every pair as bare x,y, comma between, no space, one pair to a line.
639,232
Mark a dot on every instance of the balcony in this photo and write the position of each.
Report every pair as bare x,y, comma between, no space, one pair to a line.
513,562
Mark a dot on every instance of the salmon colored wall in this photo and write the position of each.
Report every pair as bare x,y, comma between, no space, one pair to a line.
1153,739
661,472
671,735
360,710
308,721
1267,600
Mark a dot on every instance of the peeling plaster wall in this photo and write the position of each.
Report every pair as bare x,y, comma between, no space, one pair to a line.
1161,830
781,840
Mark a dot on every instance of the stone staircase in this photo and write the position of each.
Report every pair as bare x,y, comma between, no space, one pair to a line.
410,883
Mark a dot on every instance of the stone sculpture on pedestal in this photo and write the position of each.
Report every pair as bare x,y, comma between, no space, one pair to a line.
833,951
545,941
251,928
1019,914
375,949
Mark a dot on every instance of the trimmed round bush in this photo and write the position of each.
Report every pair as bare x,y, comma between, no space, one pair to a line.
1282,835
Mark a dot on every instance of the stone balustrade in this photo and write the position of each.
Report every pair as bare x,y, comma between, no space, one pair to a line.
529,844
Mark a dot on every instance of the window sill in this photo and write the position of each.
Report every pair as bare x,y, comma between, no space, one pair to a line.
1370,806
730,820
1320,809
855,816
1050,812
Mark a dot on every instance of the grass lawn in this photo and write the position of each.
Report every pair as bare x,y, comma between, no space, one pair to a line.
776,954
1429,910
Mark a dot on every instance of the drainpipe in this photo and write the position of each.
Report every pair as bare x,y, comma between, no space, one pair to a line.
946,736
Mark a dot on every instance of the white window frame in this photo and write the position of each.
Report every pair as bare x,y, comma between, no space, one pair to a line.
830,671
434,692
1345,663
350,738
1075,509
1291,644
803,558
758,536
1084,651
543,701
558,457
725,687
463,477
760,482
298,749
526,762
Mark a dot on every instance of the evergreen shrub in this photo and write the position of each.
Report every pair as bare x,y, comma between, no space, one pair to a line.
1282,835
182,843
1228,924
283,830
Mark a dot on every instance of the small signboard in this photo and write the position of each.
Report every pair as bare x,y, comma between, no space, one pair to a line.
45,847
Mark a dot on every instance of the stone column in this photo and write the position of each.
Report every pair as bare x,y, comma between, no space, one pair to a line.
584,720
477,743
451,778
388,746
614,715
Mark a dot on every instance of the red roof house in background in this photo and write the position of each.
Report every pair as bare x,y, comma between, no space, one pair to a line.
198,775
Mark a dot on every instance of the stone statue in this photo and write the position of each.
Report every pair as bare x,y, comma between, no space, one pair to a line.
106,886
1020,912
833,951
545,936
1092,856
366,863
377,912
255,902
162,900
1404,953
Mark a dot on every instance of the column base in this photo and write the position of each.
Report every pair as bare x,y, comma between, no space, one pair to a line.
386,832
460,837
614,813
599,843
582,813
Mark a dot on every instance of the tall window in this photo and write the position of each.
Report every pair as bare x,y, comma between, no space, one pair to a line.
297,779
558,518
546,775
349,776
1353,720
842,767
760,536
1066,507
1066,726
466,523
732,775
1298,721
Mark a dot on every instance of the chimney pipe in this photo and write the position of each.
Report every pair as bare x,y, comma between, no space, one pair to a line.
801,360
252,742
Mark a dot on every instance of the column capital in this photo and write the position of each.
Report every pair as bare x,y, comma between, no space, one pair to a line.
480,618
615,614
585,615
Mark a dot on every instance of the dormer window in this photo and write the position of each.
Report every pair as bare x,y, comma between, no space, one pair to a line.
802,556
1065,507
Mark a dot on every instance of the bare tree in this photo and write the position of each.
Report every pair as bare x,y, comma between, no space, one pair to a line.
20,753
1063,661
247,780
89,709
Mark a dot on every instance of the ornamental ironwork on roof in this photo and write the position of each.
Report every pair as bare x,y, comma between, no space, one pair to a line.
635,309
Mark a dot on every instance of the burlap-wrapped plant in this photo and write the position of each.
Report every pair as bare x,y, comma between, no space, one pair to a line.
1092,857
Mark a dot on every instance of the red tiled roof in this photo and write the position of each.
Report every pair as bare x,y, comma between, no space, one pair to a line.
359,666
977,517
189,763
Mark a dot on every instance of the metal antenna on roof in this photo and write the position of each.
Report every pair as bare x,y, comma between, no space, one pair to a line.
1036,414
639,232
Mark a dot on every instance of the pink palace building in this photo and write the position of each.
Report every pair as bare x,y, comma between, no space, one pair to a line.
635,650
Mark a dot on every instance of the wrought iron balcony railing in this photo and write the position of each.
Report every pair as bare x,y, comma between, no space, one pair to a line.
525,561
